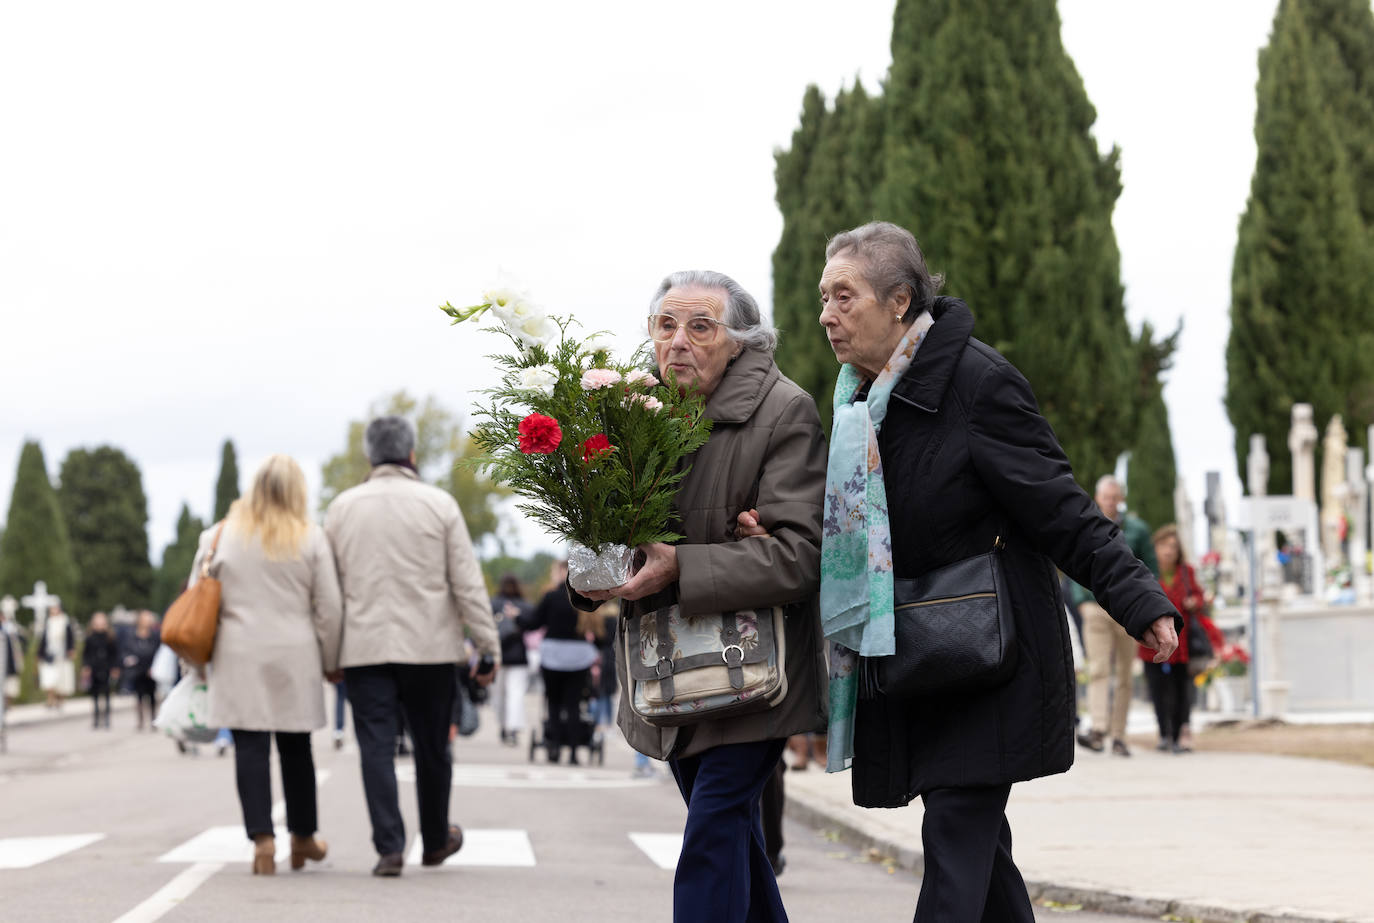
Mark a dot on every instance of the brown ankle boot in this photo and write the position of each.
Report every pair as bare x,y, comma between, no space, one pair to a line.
306,847
264,854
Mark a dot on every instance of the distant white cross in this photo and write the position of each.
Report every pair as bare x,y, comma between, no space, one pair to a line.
40,601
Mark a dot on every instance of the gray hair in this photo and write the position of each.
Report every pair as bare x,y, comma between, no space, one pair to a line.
892,260
389,439
1106,480
742,318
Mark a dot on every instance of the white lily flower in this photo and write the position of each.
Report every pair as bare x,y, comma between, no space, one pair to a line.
534,329
540,378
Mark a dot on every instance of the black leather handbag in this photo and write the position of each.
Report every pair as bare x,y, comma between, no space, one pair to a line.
955,631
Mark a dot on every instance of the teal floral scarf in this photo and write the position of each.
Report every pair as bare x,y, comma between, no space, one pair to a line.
856,542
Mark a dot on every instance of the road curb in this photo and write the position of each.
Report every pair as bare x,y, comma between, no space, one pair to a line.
807,809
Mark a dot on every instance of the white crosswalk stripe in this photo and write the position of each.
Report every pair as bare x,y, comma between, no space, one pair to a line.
553,777
221,844
24,852
662,848
485,849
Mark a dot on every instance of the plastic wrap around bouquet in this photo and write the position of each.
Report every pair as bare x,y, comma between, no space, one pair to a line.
593,447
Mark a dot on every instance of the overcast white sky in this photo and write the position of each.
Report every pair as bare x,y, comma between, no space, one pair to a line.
238,220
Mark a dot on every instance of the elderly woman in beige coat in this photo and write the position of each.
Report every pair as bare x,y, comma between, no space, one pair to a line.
279,633
762,469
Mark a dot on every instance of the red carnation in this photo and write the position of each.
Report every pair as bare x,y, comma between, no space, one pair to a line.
539,435
595,447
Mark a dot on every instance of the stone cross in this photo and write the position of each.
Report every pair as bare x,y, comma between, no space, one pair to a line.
40,601
1302,440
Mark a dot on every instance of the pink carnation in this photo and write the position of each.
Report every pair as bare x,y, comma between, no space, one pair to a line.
641,377
599,378
648,400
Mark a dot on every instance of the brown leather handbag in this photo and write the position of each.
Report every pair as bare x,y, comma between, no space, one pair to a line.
191,621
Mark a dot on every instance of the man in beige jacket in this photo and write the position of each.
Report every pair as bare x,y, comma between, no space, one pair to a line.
411,586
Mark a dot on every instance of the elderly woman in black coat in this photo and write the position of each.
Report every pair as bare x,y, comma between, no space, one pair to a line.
939,454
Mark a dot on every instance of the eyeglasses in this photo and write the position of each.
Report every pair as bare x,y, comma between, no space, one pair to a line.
701,330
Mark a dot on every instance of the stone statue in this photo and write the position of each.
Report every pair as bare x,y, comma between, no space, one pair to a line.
1302,441
1335,492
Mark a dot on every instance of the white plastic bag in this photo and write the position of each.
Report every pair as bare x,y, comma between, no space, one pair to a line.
164,667
183,713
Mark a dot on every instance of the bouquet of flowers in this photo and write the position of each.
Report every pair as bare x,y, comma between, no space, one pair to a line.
594,447
1231,660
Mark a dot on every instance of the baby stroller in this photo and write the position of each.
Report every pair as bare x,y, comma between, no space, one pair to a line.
583,731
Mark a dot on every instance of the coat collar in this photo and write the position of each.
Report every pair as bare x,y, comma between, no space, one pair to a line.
392,471
747,380
925,382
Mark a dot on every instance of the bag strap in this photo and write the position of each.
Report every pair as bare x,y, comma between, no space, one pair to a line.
214,545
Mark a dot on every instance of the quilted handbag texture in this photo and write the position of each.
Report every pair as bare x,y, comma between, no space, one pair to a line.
954,631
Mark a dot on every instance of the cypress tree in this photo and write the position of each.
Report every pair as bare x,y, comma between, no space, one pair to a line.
990,162
1151,474
825,184
1302,283
176,559
227,487
35,545
106,514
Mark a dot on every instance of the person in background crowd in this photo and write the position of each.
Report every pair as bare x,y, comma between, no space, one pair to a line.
138,661
411,586
1109,650
509,607
99,666
601,628
774,799
340,701
279,633
11,637
1171,683
565,661
56,657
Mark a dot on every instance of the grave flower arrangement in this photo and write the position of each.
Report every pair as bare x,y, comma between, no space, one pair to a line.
594,448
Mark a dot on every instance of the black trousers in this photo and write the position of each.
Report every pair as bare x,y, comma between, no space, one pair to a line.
969,874
723,874
424,692
100,690
774,799
1171,692
563,693
252,769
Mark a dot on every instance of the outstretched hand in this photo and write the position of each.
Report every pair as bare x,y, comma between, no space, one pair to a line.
1161,638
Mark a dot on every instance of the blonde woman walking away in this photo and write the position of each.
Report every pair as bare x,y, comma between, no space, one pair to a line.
279,632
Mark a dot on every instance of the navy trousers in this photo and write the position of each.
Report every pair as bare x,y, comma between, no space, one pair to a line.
723,874
969,876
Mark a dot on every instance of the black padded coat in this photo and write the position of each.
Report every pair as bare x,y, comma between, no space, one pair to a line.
967,458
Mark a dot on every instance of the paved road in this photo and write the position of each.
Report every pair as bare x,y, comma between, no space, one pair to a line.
149,834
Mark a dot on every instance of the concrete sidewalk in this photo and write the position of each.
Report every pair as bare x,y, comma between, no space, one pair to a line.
21,716
1202,836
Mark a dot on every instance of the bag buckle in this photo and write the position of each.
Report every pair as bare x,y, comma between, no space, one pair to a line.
725,655
659,668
